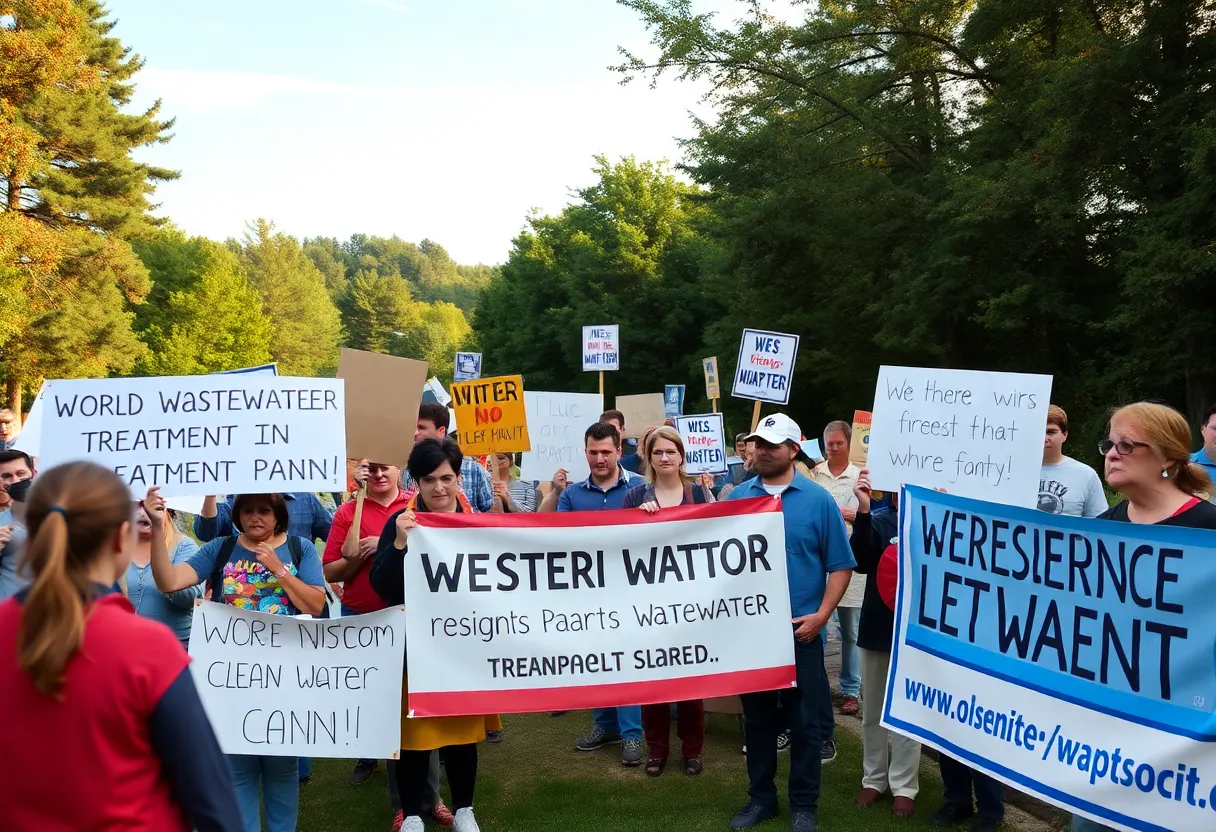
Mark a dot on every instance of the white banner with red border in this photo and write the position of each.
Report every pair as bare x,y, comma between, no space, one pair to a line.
549,612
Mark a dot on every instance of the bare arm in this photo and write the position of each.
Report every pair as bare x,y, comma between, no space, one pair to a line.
169,577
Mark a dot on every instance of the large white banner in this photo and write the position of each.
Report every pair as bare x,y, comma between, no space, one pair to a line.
220,434
556,424
971,433
1070,658
300,687
513,614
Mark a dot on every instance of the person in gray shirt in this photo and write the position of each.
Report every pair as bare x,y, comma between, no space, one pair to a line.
1067,486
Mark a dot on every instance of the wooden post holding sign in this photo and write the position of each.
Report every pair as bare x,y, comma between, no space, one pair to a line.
601,350
765,369
492,415
713,389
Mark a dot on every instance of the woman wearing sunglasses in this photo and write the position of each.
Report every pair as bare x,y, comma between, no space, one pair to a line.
1148,461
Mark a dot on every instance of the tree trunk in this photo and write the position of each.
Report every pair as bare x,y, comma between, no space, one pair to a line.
13,397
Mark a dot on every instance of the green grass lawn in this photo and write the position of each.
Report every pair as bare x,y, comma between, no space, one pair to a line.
534,781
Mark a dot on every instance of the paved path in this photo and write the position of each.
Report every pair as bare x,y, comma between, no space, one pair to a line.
1022,812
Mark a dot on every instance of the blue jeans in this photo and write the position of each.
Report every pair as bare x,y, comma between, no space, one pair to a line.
1080,824
277,780
850,658
625,723
767,713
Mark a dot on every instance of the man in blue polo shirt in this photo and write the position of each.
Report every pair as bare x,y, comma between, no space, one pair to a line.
819,563
605,489
1206,456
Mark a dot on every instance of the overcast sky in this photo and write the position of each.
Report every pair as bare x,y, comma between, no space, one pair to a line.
441,120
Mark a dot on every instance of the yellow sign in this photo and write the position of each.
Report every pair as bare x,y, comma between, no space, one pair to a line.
859,448
490,415
713,390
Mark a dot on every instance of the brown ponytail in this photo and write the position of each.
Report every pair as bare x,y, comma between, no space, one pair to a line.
71,513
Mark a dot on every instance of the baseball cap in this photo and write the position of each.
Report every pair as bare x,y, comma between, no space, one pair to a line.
778,429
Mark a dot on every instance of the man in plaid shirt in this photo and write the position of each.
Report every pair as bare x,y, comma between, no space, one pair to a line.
433,421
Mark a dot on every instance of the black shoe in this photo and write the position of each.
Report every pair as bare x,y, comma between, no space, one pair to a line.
803,822
750,815
983,824
950,814
783,741
363,772
828,752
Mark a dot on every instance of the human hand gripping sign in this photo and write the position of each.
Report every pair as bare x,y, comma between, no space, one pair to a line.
154,507
406,520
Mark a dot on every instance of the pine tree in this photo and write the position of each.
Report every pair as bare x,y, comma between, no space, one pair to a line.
378,313
71,194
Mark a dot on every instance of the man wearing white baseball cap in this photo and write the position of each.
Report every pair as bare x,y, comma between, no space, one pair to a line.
819,562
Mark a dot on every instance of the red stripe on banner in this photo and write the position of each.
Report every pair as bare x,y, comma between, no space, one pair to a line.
618,517
539,700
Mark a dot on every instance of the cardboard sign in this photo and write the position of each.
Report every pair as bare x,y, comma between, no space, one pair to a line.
673,400
492,414
766,366
713,389
518,613
468,366
642,412
859,445
601,347
704,439
556,424
231,434
970,433
288,687
382,397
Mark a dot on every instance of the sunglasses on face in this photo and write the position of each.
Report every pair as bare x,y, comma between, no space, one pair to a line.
1125,447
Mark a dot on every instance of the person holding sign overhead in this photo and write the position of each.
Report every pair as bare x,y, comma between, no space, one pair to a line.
667,484
97,695
268,570
435,466
820,564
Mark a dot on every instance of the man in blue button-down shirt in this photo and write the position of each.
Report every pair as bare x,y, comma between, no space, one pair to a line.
605,489
819,562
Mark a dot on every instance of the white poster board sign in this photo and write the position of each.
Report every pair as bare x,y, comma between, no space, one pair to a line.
30,438
300,687
584,610
766,366
970,433
602,347
229,434
556,424
704,439
468,366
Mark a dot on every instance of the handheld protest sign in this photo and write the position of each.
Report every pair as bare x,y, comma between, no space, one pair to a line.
601,348
973,434
673,400
704,443
492,415
642,412
766,366
556,423
468,366
859,445
193,435
383,393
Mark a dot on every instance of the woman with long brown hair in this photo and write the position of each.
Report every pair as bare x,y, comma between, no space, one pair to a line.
101,697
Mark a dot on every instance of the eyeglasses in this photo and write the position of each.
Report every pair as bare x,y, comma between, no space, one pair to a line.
663,454
1123,446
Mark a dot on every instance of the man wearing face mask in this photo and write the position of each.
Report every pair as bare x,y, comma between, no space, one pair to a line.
16,476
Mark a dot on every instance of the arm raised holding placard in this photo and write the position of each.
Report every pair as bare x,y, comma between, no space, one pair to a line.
169,577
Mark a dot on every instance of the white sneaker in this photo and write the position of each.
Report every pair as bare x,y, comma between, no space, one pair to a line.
465,822
413,824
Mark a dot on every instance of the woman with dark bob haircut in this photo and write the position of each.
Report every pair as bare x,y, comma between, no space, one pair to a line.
267,570
435,466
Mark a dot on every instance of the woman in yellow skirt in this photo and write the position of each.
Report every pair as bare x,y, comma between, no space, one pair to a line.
435,466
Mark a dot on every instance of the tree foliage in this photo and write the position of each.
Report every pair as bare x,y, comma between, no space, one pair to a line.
625,252
202,316
71,193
